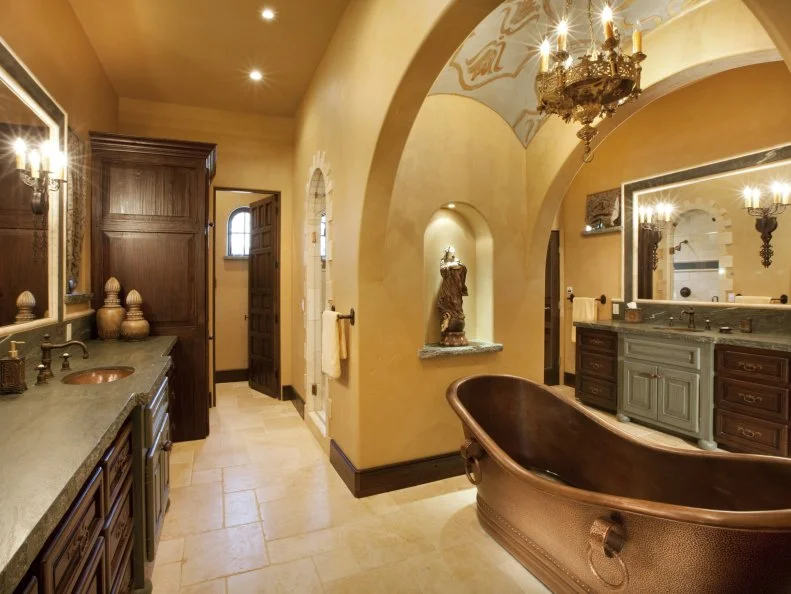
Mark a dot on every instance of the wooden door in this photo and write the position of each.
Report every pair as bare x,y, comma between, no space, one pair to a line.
678,399
264,296
639,390
552,312
150,216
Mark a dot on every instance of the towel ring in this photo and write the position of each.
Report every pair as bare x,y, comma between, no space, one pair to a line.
602,299
351,316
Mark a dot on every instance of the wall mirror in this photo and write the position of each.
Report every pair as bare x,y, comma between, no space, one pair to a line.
717,233
30,245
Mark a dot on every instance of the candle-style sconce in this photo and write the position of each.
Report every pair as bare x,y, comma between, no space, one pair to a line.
44,170
654,219
766,216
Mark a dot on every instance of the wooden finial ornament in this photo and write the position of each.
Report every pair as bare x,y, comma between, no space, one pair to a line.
111,315
135,327
25,304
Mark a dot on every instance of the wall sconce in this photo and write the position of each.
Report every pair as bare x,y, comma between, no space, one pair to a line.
766,216
654,220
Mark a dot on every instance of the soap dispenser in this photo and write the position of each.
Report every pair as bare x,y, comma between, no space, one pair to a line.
12,371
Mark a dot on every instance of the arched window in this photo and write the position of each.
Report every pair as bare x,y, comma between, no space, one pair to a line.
239,233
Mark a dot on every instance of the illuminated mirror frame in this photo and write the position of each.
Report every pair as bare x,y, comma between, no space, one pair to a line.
20,81
632,190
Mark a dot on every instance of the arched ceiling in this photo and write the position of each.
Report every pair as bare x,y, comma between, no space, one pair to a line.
497,63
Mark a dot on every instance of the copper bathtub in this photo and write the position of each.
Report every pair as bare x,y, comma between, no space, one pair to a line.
588,509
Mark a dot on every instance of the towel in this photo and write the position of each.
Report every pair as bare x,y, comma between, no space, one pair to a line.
583,310
333,344
753,299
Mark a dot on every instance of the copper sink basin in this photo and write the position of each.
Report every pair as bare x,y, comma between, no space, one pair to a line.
98,375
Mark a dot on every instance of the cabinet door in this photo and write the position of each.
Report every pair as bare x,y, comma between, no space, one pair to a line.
679,399
639,390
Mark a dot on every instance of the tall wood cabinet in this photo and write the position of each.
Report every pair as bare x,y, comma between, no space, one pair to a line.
150,216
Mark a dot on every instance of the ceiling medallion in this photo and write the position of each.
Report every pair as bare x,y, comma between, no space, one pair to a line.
596,84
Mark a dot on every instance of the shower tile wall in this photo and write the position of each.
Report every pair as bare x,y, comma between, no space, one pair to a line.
697,239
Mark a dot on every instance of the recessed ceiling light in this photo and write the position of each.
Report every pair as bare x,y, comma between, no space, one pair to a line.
256,75
268,14
451,205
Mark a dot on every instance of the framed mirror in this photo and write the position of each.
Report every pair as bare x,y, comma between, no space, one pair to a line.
715,234
32,141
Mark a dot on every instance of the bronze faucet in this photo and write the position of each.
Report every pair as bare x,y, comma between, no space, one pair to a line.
46,353
690,313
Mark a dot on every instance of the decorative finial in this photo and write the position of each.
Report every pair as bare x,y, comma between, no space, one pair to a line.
25,304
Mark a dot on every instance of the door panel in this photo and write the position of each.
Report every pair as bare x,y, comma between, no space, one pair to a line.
639,390
678,399
264,297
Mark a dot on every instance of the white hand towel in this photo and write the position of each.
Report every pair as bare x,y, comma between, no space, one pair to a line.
331,344
583,310
753,299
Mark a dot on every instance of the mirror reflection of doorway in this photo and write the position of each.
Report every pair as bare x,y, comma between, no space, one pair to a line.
317,293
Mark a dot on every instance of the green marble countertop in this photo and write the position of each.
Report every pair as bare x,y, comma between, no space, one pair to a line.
777,342
52,437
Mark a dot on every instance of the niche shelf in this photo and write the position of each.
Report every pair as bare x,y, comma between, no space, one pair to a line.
435,351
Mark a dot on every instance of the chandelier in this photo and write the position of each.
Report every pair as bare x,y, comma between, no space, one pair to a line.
654,220
596,84
766,216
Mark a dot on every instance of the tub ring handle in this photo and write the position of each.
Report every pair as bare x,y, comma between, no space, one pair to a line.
472,452
608,537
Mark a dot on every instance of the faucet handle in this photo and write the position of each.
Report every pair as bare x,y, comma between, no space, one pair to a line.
41,378
65,365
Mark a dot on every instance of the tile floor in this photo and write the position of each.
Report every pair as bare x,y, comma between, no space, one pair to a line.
257,508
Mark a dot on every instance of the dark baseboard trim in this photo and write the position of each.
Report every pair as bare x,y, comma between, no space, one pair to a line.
290,393
382,479
569,379
231,375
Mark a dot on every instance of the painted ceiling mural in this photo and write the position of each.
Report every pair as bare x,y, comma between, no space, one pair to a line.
498,62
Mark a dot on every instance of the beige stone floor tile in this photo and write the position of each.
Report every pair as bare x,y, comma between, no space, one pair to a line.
305,545
170,551
193,509
671,441
298,515
522,577
180,474
392,579
221,553
201,477
212,587
240,508
335,565
166,578
221,459
295,577
283,423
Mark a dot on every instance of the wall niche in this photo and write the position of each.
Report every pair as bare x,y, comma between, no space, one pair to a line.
463,227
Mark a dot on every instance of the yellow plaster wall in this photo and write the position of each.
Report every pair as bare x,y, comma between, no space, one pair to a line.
683,129
254,152
61,57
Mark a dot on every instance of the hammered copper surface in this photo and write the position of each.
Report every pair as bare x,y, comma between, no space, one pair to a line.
103,375
587,509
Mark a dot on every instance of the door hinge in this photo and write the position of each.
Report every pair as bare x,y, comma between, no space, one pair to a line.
314,390
277,264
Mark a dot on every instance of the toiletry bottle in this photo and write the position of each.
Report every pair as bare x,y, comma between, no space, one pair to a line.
12,371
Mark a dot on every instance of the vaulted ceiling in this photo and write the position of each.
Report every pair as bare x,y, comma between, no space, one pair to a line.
498,62
200,52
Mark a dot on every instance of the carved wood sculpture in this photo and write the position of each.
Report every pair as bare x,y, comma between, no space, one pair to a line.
450,301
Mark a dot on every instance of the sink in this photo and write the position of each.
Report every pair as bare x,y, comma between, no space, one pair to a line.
98,375
678,329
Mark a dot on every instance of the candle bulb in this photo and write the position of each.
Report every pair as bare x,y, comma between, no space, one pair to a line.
756,198
563,35
20,149
46,156
35,163
545,55
606,19
637,39
60,166
777,191
786,193
747,194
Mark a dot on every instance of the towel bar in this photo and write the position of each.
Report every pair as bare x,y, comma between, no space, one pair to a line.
349,317
602,299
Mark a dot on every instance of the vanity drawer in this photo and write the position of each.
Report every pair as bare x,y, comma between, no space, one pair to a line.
597,340
117,464
751,435
94,577
156,411
678,353
124,580
66,555
752,399
118,530
601,366
597,392
753,365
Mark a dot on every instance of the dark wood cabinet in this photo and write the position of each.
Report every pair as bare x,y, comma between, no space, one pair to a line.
597,368
752,400
150,217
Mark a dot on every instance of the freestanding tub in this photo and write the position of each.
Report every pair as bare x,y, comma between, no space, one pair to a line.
587,509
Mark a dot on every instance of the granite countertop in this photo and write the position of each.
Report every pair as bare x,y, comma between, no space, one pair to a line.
52,437
777,342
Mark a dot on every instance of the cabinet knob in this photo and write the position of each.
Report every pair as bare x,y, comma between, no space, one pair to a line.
167,446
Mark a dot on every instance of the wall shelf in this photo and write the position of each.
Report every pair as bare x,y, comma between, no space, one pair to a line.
435,351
